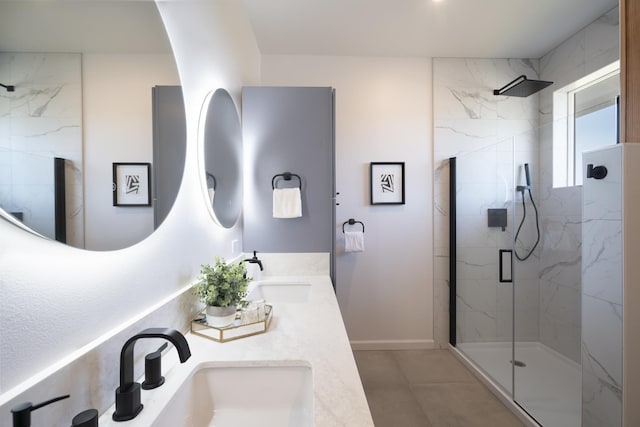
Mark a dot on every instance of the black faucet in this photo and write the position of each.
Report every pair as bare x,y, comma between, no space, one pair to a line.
128,404
254,260
22,412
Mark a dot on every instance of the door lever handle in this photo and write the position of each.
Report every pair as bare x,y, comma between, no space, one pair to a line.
505,265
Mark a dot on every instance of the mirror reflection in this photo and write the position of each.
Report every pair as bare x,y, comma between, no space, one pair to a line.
223,157
83,75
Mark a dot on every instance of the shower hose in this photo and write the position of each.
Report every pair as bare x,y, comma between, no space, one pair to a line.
524,216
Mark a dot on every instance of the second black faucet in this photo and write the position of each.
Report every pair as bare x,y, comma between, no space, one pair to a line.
254,260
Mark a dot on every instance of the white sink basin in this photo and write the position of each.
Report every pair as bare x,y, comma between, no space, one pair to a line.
242,396
274,292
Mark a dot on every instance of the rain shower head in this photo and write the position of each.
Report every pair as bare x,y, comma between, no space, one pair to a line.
522,87
9,88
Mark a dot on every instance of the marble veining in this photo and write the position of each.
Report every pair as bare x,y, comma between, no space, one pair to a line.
42,119
468,118
311,333
474,104
602,292
52,131
47,95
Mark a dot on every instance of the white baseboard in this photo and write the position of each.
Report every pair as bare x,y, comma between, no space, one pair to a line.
393,345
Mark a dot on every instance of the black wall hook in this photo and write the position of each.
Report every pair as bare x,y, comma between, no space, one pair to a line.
597,172
352,221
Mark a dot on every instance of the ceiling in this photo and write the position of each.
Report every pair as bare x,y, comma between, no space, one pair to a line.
432,28
87,26
436,28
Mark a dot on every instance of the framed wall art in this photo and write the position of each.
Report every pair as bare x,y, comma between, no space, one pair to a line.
387,183
132,184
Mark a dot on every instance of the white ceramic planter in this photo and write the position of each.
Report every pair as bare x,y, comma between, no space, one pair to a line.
220,317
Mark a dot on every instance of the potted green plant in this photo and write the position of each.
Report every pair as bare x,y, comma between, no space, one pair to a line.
221,288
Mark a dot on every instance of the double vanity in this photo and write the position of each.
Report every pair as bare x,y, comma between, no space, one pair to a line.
301,372
66,313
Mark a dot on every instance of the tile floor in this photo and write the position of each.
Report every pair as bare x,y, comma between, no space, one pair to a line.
427,388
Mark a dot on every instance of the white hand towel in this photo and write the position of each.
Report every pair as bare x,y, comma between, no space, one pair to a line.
287,203
353,241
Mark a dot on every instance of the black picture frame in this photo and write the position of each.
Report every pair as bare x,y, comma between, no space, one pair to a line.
131,184
387,183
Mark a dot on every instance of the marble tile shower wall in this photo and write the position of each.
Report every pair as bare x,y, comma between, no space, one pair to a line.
42,119
602,292
586,51
502,133
467,117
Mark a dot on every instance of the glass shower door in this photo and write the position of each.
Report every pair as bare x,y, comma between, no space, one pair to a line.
547,292
516,276
483,282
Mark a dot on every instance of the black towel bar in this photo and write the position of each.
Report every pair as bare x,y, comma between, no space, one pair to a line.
352,222
287,177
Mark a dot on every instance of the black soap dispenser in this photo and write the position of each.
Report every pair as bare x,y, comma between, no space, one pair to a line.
22,412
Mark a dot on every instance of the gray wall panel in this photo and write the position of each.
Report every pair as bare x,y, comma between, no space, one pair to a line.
288,129
169,148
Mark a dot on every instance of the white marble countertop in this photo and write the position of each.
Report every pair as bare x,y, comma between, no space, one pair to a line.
311,332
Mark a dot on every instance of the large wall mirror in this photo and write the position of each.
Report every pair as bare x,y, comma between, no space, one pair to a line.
222,138
82,74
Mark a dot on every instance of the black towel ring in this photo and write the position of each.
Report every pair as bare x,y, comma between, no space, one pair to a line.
213,178
352,222
287,177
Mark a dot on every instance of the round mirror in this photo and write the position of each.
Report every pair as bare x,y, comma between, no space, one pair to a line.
223,157
84,78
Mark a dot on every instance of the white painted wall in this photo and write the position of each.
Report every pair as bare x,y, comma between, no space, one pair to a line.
118,127
55,299
383,113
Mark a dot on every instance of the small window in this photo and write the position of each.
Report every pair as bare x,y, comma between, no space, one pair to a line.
585,118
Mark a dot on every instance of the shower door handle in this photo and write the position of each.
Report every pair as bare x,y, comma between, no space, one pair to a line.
505,265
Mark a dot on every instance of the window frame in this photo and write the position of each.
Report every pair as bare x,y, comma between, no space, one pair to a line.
564,124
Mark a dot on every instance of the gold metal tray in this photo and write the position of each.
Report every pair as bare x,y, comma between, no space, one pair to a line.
236,330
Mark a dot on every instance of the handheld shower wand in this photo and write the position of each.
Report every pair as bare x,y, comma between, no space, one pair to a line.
522,189
527,177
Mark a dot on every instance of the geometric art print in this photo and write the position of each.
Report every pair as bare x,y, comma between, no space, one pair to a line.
387,183
132,184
